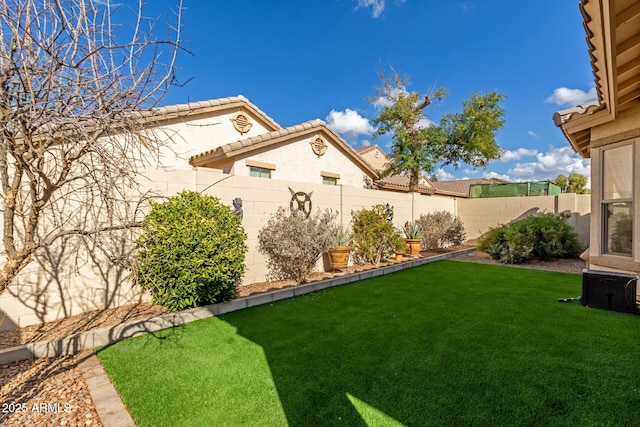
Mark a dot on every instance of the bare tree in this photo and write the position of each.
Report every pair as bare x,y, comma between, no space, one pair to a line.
73,85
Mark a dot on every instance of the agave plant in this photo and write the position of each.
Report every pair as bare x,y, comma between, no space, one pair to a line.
341,236
412,230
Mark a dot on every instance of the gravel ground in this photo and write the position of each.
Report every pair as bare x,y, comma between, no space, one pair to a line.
52,392
45,392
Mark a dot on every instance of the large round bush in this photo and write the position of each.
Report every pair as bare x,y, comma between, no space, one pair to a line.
191,252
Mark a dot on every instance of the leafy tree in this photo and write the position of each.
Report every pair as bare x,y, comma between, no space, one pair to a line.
574,183
468,136
70,145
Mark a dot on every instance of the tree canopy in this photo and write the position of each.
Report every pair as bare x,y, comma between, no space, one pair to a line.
419,145
574,183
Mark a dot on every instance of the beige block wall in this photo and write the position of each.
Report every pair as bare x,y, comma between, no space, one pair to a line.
64,282
480,215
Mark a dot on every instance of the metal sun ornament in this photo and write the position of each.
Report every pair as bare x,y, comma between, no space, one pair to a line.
300,201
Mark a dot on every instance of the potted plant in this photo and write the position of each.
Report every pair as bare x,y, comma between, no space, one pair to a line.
413,234
400,247
340,250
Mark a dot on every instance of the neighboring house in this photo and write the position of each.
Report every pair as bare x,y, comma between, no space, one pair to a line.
235,137
608,131
374,155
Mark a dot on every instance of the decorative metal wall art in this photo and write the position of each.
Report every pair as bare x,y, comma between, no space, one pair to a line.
237,207
300,201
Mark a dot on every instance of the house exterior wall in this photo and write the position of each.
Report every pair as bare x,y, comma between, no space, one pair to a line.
625,128
378,162
196,134
296,161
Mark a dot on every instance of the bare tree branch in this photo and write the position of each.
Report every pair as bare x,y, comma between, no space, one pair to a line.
76,93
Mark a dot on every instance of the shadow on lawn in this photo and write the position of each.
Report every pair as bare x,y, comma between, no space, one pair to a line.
346,369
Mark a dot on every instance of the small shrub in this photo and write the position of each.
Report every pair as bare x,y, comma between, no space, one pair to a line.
373,237
191,252
441,229
340,236
543,236
293,243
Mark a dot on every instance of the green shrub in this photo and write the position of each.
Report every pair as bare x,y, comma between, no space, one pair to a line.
542,236
373,237
441,229
191,252
293,243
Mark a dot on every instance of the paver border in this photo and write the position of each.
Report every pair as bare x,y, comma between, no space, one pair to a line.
89,340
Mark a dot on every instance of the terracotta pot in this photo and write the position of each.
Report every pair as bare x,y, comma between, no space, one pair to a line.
412,246
339,257
399,256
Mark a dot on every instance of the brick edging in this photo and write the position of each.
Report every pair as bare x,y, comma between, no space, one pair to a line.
76,343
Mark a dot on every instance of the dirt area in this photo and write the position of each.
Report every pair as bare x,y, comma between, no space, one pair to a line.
58,384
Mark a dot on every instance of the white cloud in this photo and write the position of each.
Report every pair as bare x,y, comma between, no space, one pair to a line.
425,123
349,123
532,134
509,156
443,175
564,96
494,175
471,171
377,6
549,165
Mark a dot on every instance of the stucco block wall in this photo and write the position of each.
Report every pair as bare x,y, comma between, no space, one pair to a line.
63,282
480,215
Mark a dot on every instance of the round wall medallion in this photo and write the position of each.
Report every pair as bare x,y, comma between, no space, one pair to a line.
241,123
318,146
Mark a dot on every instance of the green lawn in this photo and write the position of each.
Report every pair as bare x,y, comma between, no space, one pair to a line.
447,343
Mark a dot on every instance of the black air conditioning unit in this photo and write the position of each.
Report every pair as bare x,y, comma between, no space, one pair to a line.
608,290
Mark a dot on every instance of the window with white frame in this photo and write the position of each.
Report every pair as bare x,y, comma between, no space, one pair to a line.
617,200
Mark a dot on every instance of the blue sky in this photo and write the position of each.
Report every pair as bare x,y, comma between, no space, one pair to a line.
301,60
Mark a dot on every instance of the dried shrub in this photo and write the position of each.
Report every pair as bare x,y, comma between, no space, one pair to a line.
373,236
441,229
191,252
293,244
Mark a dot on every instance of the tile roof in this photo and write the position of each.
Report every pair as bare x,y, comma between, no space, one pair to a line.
401,182
192,108
613,39
462,186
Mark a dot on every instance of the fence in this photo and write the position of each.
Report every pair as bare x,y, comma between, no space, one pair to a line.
71,277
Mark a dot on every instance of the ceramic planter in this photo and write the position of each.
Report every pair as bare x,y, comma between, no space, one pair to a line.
339,257
412,246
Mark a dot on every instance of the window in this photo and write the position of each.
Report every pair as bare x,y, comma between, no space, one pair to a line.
617,200
329,181
329,178
259,172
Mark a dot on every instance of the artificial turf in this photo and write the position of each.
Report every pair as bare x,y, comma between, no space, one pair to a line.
447,343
